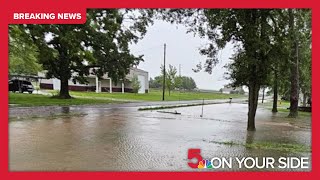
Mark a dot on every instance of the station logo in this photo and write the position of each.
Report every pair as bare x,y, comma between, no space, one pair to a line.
246,162
205,164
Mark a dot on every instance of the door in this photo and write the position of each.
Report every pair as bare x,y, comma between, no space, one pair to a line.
56,84
142,82
99,86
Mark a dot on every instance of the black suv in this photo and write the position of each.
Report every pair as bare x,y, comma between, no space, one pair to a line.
20,86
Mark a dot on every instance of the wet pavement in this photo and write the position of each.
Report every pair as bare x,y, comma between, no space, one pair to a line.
40,111
121,138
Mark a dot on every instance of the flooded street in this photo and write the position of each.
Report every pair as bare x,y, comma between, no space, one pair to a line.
125,139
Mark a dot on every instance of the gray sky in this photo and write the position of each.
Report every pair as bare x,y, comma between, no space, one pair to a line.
182,49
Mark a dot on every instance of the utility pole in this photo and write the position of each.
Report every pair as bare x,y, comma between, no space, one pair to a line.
263,91
164,71
179,80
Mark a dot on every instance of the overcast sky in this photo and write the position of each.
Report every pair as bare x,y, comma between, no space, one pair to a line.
182,49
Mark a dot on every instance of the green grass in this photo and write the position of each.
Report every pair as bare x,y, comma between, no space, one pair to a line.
287,147
156,95
279,147
300,113
282,108
82,98
42,100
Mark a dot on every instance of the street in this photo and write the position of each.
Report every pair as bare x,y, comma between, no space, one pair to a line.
121,138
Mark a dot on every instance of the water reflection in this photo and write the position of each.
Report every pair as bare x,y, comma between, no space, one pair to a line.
65,110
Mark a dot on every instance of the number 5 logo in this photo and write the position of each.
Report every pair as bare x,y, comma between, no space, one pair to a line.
194,153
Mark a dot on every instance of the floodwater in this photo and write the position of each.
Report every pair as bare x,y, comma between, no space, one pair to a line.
125,139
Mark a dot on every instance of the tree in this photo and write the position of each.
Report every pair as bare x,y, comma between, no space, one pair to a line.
279,54
250,66
170,78
305,73
300,40
284,51
294,78
156,82
254,35
279,58
187,83
180,82
250,30
72,51
135,84
23,54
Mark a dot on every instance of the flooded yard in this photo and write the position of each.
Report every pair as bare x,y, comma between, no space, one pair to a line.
125,139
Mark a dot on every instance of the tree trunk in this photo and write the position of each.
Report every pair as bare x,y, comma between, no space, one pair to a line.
64,76
275,92
64,88
253,103
294,93
304,101
263,91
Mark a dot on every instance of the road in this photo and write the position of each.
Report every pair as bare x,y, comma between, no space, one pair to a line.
121,138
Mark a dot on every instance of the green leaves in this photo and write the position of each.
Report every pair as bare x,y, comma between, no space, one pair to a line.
173,81
23,55
135,84
185,83
69,51
170,77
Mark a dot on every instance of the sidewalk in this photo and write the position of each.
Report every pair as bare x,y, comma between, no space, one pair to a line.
40,111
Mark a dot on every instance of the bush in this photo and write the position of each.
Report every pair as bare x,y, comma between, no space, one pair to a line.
135,84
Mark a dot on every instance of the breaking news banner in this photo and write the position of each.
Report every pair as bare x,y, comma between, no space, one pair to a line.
140,89
46,16
64,17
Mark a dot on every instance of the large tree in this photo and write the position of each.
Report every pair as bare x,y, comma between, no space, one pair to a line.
294,69
248,29
279,55
261,37
23,54
185,83
305,70
102,44
300,41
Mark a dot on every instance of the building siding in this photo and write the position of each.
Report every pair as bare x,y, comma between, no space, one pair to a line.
105,83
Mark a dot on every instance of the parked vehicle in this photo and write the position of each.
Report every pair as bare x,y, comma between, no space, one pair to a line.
20,86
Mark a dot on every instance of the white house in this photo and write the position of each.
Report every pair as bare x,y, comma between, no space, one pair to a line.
229,90
105,84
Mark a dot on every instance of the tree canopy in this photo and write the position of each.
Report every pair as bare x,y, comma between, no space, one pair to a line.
23,54
102,44
173,81
256,34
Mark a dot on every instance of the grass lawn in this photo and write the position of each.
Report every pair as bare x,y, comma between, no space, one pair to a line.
283,108
156,95
42,100
293,148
